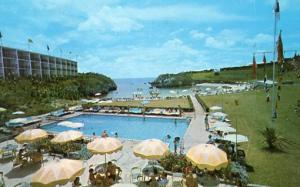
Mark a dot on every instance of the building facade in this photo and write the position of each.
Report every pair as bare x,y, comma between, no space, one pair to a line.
21,63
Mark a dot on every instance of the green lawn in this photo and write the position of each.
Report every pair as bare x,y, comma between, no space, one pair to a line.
251,116
164,103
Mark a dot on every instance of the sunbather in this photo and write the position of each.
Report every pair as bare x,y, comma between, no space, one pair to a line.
112,171
191,180
76,182
94,179
20,159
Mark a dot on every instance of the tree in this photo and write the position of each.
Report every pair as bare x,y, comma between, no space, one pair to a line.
273,139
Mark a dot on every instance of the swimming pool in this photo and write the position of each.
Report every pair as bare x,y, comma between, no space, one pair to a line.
128,127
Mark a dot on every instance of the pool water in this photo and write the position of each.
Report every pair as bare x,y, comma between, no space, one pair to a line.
137,128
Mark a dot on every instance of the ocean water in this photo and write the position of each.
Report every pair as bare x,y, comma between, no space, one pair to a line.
126,87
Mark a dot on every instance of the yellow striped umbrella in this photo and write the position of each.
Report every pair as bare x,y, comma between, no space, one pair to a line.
31,135
57,172
104,146
152,149
207,156
67,136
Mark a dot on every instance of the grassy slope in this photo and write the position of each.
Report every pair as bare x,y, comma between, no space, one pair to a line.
240,74
253,114
226,75
171,103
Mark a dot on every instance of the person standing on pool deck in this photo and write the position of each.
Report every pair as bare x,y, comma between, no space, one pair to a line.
206,122
176,142
116,135
94,136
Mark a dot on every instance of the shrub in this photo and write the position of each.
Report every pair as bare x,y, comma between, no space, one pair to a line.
240,173
174,162
202,103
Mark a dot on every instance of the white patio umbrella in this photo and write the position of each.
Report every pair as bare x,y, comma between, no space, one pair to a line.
215,108
18,120
2,109
172,92
225,129
219,124
71,124
124,185
18,113
218,115
236,138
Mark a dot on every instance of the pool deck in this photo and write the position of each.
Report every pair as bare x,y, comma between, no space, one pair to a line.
195,133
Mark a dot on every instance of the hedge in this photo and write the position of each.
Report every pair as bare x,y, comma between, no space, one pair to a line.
202,103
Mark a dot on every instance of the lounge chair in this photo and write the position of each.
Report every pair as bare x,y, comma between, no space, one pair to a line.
136,175
82,154
23,184
176,178
2,182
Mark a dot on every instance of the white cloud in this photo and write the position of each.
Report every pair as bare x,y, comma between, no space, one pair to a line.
198,35
226,39
110,19
125,18
137,61
259,38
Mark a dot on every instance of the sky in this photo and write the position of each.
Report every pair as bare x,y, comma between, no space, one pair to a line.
131,39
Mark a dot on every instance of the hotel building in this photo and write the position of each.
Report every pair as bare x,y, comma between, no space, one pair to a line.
22,63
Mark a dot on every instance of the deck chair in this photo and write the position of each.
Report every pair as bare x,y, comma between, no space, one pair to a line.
135,174
190,181
176,179
82,154
2,182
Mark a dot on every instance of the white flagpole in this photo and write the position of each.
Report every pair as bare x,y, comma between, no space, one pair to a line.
276,12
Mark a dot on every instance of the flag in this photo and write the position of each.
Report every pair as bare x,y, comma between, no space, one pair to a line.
280,57
0,34
30,40
48,48
265,62
254,67
277,10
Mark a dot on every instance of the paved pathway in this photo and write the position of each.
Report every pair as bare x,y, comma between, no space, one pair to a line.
196,132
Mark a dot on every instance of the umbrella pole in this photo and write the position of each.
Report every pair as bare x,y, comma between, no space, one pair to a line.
236,139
